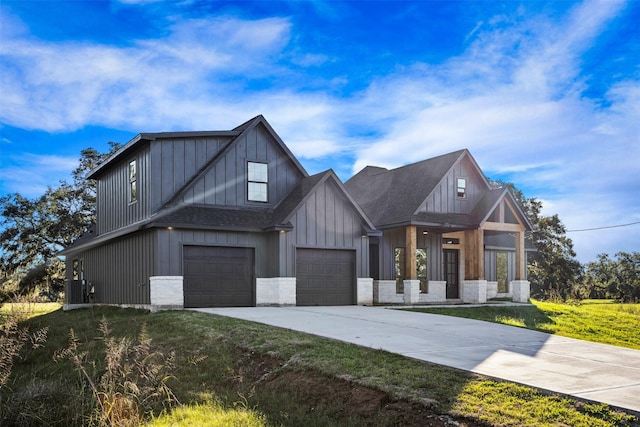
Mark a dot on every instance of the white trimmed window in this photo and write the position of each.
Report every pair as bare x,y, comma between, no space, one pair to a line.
133,181
257,182
461,187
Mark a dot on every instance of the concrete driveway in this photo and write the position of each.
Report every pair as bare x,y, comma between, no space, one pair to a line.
586,370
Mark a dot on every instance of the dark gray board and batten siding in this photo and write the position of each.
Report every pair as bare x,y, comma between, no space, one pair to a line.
224,184
119,271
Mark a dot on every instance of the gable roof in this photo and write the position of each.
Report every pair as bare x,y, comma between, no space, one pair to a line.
393,196
211,217
306,187
233,135
489,202
241,130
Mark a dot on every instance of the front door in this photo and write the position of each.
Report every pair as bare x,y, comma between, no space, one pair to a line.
450,269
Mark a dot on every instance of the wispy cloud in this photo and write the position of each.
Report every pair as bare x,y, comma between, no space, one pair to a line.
516,97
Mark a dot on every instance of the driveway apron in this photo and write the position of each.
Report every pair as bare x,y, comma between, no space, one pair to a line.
596,372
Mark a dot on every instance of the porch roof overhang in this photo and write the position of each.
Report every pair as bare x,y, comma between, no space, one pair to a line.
440,221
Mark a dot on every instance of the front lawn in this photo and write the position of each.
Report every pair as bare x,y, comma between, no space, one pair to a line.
601,321
231,371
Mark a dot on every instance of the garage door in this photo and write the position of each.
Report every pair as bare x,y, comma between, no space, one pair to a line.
218,276
325,277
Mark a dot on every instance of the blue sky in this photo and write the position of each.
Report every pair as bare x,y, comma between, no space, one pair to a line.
544,94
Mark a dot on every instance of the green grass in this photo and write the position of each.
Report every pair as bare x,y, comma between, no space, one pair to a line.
601,321
260,375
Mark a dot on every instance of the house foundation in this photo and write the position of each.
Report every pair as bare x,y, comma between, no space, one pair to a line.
276,291
166,292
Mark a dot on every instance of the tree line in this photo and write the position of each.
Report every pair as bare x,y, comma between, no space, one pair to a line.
33,231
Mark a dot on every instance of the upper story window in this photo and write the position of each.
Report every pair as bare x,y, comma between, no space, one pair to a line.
461,187
257,182
133,178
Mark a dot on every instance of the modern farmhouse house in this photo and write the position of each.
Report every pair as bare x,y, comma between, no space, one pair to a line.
231,218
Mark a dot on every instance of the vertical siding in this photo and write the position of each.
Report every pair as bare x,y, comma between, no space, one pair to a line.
326,221
444,199
490,260
170,243
114,210
395,238
176,161
225,183
120,269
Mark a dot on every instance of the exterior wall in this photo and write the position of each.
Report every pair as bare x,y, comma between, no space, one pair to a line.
490,264
175,161
384,292
444,198
225,183
167,291
119,270
114,210
276,291
170,243
325,221
395,238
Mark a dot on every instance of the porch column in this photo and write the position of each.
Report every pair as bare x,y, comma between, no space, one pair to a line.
410,253
521,257
474,254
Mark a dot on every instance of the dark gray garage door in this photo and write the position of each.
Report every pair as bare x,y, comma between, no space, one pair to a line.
218,276
325,277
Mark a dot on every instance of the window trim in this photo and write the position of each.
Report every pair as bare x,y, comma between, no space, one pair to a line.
133,181
461,190
257,180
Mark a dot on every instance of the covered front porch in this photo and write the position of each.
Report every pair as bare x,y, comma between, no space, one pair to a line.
435,264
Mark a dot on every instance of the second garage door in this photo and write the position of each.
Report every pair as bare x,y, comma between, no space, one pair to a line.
325,277
218,276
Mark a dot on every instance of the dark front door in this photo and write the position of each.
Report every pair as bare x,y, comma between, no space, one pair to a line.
451,272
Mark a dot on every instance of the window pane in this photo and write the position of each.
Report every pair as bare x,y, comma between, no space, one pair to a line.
421,268
461,187
257,192
257,172
399,269
502,271
132,171
134,192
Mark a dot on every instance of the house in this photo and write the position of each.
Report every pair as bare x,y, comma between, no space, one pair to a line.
231,218
446,233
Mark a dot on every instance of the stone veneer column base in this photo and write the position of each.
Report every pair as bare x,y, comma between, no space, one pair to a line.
411,291
166,292
520,290
364,291
276,291
474,291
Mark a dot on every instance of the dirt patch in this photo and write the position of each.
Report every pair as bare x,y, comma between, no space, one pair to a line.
339,398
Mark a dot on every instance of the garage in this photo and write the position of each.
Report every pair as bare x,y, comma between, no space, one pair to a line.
216,276
325,277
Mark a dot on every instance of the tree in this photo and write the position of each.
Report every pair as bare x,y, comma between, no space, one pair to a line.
552,270
33,231
615,278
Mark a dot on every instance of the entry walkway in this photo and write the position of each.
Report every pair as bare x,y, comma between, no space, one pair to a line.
586,370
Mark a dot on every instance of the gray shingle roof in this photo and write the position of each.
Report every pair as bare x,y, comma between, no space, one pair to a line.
392,196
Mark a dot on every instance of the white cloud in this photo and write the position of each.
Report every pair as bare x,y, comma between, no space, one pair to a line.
515,98
31,174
